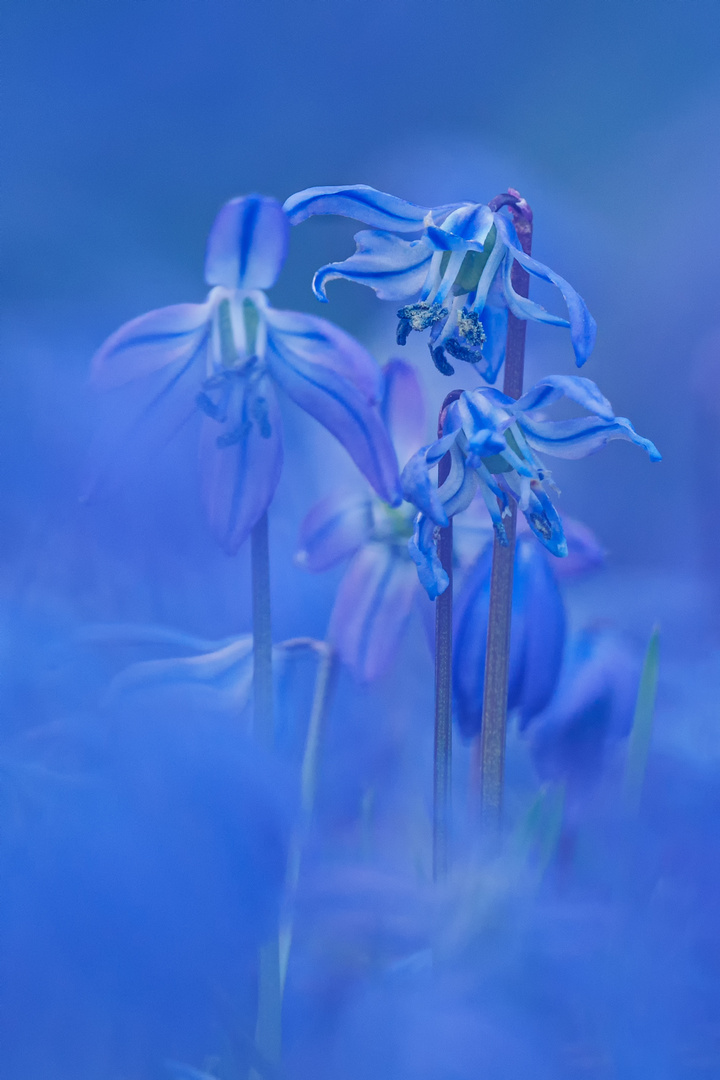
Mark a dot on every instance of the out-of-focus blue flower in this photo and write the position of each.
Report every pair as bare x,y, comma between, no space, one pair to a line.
492,440
591,710
228,355
459,265
376,594
536,643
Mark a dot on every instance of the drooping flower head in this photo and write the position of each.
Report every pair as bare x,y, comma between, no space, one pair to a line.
227,356
450,267
591,711
376,594
493,442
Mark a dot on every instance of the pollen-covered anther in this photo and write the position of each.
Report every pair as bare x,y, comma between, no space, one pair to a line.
541,525
421,315
470,328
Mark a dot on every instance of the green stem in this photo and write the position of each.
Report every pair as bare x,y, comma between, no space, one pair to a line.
491,751
324,681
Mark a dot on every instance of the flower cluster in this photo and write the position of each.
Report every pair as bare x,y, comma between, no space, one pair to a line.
454,277
493,442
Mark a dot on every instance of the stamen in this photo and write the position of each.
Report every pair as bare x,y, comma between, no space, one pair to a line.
231,438
541,525
471,328
422,314
440,360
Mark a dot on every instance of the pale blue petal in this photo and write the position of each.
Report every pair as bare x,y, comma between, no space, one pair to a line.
320,342
423,552
483,423
319,384
521,307
582,391
418,486
170,337
218,680
494,319
395,268
403,408
333,530
465,229
542,517
583,328
248,244
371,609
241,460
358,201
456,495
581,436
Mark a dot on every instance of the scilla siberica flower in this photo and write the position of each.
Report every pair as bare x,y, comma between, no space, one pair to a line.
492,441
454,277
376,594
226,357
537,639
591,711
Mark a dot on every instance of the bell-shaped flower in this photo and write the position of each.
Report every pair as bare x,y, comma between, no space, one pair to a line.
449,266
537,637
592,709
228,356
376,594
493,442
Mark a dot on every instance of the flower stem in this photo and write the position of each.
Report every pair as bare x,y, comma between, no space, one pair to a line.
324,684
442,757
491,751
268,1031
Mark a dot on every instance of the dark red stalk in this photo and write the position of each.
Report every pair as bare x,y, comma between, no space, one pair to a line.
443,680
489,757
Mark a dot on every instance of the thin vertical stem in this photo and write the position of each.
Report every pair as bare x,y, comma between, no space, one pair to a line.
497,655
268,1032
442,757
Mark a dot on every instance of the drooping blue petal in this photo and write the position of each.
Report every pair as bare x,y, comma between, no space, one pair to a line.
333,530
170,337
591,710
313,371
583,328
424,553
465,229
360,202
575,388
248,244
372,606
581,436
403,408
536,641
494,319
241,459
521,307
395,268
418,486
321,342
215,681
542,517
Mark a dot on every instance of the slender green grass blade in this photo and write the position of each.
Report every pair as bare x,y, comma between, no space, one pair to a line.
641,734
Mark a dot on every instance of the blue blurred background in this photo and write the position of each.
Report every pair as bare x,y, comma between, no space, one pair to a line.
126,125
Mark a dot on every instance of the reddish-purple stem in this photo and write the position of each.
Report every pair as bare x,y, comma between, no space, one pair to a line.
489,755
443,680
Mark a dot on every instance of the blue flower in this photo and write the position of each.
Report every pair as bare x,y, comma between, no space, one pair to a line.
537,638
376,594
492,441
227,356
591,711
453,277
